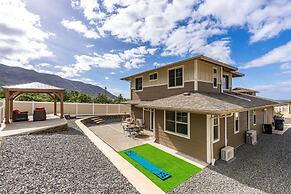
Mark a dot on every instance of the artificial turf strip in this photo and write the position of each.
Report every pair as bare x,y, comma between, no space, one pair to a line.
178,168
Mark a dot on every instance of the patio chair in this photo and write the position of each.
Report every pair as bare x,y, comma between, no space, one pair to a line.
39,114
17,115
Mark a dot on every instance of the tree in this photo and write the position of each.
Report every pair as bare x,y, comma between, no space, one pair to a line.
102,99
2,95
119,99
75,96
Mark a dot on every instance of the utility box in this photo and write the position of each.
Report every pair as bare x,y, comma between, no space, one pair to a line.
227,153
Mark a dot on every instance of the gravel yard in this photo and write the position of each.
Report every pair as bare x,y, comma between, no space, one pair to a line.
65,162
261,168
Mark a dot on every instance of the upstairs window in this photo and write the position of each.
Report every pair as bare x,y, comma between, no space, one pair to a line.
214,77
177,123
176,77
236,122
153,76
254,117
138,84
225,82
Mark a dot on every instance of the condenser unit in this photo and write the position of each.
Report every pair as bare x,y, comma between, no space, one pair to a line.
227,153
251,137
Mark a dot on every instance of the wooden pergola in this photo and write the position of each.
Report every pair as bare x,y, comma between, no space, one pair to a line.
12,92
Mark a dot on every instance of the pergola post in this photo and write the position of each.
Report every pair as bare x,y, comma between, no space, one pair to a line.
55,104
11,105
7,107
62,104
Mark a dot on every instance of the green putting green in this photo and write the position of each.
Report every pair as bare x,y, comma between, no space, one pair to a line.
178,168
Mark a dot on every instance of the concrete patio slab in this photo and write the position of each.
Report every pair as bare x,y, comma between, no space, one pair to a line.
25,127
113,135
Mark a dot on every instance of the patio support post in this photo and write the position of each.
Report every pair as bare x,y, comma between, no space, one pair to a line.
7,107
55,104
11,106
62,105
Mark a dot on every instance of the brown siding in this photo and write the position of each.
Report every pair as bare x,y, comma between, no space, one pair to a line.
237,139
220,144
207,87
157,92
137,112
260,119
195,146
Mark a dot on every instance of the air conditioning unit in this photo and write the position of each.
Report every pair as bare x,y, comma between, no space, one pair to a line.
227,153
251,137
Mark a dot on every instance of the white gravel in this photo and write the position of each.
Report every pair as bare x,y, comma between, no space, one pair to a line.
64,162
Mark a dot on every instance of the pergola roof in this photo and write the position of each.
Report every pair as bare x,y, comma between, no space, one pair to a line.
33,87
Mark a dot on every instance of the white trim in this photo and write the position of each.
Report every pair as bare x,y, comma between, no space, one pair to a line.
249,120
208,139
195,75
225,131
214,77
218,125
234,124
265,116
254,123
153,74
154,85
221,79
141,83
175,133
154,119
183,77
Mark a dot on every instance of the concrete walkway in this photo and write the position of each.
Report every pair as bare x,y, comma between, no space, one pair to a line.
114,136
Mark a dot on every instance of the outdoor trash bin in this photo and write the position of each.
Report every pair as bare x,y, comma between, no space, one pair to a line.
279,123
268,128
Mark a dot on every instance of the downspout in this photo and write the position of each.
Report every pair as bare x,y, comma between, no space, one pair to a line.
225,128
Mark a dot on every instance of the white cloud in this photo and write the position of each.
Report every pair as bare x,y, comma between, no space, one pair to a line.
131,58
106,77
21,36
79,27
112,73
91,9
89,45
278,55
279,87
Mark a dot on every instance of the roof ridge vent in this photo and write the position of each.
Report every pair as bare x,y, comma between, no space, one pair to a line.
187,93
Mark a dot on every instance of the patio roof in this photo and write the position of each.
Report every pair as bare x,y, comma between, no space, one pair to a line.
33,87
209,103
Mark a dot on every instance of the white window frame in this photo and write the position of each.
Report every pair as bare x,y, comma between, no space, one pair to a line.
141,84
235,130
218,126
153,74
183,77
175,133
215,77
254,114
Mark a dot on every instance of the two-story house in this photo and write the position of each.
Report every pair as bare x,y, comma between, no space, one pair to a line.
191,108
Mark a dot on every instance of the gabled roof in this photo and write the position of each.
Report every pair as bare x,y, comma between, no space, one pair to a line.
201,57
239,89
209,103
34,86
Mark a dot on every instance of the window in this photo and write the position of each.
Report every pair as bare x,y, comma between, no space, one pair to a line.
236,122
214,77
176,77
154,76
225,82
216,129
138,84
177,123
254,117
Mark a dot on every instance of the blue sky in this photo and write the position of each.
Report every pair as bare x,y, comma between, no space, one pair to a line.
99,42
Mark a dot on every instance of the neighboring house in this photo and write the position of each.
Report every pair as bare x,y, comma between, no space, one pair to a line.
284,107
245,91
191,108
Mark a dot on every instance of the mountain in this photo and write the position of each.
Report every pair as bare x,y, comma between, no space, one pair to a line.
16,75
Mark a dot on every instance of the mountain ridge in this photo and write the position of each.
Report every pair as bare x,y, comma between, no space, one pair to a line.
17,75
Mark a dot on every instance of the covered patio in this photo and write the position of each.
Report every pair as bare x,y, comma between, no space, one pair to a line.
13,91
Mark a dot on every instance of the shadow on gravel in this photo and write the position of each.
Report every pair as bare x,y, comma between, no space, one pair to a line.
265,166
